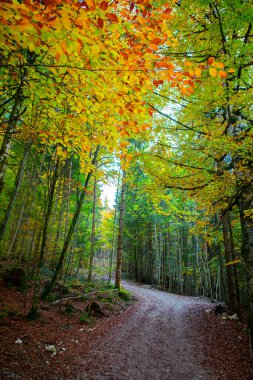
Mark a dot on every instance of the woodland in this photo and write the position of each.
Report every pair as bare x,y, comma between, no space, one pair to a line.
152,97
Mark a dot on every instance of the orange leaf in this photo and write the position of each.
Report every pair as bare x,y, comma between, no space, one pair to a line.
187,63
112,17
231,70
90,3
154,47
183,90
156,41
64,47
210,60
223,74
103,5
57,55
212,72
167,16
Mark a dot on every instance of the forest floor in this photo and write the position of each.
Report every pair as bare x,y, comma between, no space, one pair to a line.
160,336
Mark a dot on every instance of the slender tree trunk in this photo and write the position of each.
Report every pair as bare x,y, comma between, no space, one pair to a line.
232,300
33,314
11,126
113,236
16,231
136,271
245,204
120,233
18,181
237,287
93,231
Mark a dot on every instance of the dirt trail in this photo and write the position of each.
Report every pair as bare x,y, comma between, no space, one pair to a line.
157,341
160,337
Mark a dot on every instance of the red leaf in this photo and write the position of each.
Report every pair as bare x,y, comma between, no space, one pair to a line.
100,23
157,82
103,5
112,17
168,10
156,41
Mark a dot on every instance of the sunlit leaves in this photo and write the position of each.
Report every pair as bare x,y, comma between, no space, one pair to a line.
213,72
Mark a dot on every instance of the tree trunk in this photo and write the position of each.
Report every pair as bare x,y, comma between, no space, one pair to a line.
18,181
120,233
232,300
113,236
245,204
11,126
92,243
33,314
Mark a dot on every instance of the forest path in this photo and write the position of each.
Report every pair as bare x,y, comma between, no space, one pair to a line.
155,342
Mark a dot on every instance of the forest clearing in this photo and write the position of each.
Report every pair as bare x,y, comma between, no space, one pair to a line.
126,152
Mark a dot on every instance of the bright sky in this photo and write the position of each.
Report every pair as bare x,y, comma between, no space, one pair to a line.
109,193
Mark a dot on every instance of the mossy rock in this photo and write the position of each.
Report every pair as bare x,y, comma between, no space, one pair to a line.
124,294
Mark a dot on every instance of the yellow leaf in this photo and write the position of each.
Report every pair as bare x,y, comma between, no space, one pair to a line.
218,65
90,3
233,262
213,72
231,70
198,72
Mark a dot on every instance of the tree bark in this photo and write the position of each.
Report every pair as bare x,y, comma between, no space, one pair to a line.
245,204
92,243
11,127
113,236
17,184
120,233
231,291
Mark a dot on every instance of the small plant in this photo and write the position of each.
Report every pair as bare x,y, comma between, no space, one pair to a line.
75,283
87,319
3,312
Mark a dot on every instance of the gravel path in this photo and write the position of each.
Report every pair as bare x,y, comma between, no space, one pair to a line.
155,342
161,336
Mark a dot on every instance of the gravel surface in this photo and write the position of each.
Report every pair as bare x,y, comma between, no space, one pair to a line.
167,336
